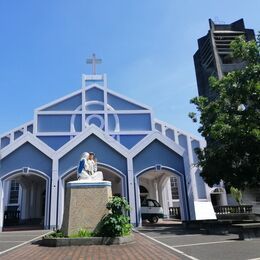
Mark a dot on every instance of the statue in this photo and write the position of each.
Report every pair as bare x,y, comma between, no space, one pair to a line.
87,169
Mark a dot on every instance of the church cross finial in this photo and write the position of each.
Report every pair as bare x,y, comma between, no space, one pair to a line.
94,61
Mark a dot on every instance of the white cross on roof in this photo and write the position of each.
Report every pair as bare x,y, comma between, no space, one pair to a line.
94,61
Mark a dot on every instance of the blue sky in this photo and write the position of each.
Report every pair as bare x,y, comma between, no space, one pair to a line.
146,47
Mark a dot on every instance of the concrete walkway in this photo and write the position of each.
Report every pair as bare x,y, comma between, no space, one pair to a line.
198,245
151,242
14,239
141,249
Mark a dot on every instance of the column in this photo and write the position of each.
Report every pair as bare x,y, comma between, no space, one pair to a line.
54,195
1,205
131,190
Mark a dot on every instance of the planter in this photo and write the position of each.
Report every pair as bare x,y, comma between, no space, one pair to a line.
86,241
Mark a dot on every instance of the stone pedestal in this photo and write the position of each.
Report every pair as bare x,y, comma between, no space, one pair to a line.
85,205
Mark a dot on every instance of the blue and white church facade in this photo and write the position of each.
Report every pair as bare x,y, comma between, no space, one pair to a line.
140,155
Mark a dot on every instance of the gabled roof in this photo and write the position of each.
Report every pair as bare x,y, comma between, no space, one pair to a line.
75,93
156,136
82,136
30,138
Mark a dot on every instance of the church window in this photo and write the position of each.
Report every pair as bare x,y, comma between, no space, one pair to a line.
14,192
174,187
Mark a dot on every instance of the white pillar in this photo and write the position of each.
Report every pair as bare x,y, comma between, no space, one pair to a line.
193,169
138,203
131,190
163,195
61,202
23,208
1,205
169,192
54,195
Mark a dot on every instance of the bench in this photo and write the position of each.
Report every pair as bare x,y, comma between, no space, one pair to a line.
247,230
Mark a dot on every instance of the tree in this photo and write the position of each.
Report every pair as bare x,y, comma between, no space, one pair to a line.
236,194
230,122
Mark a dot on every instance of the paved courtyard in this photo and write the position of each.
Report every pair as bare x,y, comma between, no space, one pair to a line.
151,242
196,245
14,239
143,248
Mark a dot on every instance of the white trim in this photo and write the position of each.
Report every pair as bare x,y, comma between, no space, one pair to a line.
54,194
60,112
82,136
164,124
1,205
118,95
129,100
83,107
139,111
152,121
28,137
134,132
96,85
105,103
57,133
93,77
11,137
150,138
131,190
35,122
193,169
58,100
23,126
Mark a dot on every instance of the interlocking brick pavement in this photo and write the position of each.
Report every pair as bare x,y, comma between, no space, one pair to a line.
142,249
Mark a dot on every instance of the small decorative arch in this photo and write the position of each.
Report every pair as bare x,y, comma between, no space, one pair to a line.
182,184
28,171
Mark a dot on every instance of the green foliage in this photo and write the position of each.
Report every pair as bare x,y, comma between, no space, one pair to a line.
55,234
82,233
236,194
116,223
245,51
117,205
230,123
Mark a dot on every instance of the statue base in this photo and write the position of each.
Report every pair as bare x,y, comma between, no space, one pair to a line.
85,205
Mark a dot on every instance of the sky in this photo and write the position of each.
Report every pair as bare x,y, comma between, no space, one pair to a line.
146,46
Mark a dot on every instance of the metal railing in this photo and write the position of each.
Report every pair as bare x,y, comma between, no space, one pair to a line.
174,212
233,209
11,217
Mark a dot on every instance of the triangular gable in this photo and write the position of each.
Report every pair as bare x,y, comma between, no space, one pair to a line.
73,101
156,136
82,136
120,102
69,102
30,138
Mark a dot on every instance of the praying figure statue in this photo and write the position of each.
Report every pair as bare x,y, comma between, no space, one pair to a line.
87,169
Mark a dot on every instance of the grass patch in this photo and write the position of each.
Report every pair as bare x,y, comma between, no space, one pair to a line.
81,233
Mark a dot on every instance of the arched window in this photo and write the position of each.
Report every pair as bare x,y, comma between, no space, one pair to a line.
143,189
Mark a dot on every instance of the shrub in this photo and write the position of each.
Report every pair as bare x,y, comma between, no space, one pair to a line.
55,234
82,233
116,223
236,194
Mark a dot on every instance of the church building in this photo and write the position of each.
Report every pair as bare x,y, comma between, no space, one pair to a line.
142,156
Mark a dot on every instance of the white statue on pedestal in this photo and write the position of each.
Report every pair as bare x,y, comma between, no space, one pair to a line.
87,169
